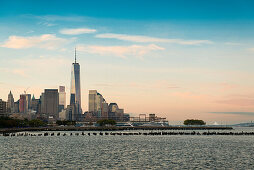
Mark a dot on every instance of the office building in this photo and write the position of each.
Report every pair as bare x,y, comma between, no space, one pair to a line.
35,104
75,91
97,104
3,107
62,96
115,112
50,103
10,103
24,103
16,107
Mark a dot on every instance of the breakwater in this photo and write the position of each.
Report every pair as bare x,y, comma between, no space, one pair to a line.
111,128
127,133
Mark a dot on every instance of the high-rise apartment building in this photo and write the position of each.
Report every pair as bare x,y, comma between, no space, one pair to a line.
75,91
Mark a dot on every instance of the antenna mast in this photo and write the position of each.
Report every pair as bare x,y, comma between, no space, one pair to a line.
75,56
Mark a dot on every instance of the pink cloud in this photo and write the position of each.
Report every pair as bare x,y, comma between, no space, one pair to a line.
120,51
46,41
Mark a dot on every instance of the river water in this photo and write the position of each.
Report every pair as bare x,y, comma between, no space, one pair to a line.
127,152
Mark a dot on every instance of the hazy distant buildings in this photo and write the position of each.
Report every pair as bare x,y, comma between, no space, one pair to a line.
50,103
75,92
10,103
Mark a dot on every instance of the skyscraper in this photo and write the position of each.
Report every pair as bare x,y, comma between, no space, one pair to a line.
2,107
50,103
10,103
35,104
24,103
62,96
75,92
97,104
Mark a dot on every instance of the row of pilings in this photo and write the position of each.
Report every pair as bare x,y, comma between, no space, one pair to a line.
128,133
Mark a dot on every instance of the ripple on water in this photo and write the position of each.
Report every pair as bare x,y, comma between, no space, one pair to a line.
127,152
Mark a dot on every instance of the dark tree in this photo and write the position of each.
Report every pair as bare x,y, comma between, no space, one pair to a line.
194,122
106,122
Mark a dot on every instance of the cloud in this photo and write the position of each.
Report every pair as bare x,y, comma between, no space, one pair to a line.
120,51
235,113
46,41
227,86
237,101
48,24
246,100
53,18
19,72
77,31
147,39
233,43
159,84
42,62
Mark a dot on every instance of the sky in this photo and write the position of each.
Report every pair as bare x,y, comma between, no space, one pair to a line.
179,59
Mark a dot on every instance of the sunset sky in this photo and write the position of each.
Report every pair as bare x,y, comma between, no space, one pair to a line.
178,59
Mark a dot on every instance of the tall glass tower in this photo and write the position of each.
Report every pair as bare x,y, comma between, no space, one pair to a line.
75,96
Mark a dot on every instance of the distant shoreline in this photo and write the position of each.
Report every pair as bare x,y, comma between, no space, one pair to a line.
110,128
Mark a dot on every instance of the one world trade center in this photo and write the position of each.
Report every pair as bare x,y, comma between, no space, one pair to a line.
75,96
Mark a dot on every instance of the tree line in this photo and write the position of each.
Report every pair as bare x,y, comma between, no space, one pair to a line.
7,122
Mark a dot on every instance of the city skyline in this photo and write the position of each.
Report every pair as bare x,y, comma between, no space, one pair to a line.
179,62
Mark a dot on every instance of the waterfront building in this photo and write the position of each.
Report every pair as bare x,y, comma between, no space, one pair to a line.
3,107
75,91
16,106
97,104
10,103
72,113
104,111
62,96
50,103
42,103
63,115
115,112
113,107
24,103
35,104
92,101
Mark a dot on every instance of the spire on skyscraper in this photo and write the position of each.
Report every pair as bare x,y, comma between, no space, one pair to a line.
75,56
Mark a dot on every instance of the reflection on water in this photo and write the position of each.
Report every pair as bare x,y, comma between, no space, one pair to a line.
127,152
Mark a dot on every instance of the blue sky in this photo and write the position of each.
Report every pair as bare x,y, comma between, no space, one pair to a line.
135,10
180,59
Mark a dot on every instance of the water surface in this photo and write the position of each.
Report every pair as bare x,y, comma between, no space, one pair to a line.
127,152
